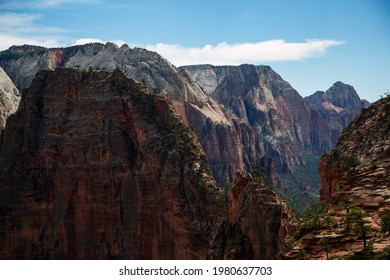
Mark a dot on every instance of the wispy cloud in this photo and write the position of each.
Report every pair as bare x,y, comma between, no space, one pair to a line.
234,54
8,4
54,3
83,41
23,28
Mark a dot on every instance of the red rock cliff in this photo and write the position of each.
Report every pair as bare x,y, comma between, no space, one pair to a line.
258,222
93,167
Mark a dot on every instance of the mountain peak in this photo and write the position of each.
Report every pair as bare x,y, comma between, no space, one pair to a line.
339,94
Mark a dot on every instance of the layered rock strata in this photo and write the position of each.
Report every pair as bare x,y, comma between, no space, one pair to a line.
355,190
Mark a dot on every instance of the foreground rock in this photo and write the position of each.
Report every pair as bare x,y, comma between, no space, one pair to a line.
94,167
258,223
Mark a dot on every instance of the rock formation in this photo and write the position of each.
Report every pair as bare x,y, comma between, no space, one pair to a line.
359,166
355,187
92,166
9,98
256,216
290,136
276,111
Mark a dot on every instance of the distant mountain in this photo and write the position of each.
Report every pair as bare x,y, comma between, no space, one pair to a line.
294,134
338,106
260,97
9,98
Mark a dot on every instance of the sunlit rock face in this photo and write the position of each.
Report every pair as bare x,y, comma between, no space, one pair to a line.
9,98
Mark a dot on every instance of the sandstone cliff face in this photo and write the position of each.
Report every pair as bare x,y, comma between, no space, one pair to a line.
338,106
269,104
289,136
9,98
92,166
258,223
359,165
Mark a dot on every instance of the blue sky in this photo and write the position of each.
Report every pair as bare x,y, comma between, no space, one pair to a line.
311,44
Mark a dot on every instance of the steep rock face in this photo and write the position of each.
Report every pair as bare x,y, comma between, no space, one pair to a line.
92,166
338,106
9,98
258,223
214,125
359,166
289,135
269,104
355,187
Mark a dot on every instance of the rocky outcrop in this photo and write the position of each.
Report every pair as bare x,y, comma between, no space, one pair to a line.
355,190
359,166
9,98
94,167
338,106
258,223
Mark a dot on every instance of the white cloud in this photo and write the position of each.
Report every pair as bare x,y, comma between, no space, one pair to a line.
226,54
22,28
83,41
7,41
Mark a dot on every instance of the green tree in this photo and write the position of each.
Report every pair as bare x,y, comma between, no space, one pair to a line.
345,205
302,255
324,242
312,215
359,225
329,221
353,162
385,224
257,172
